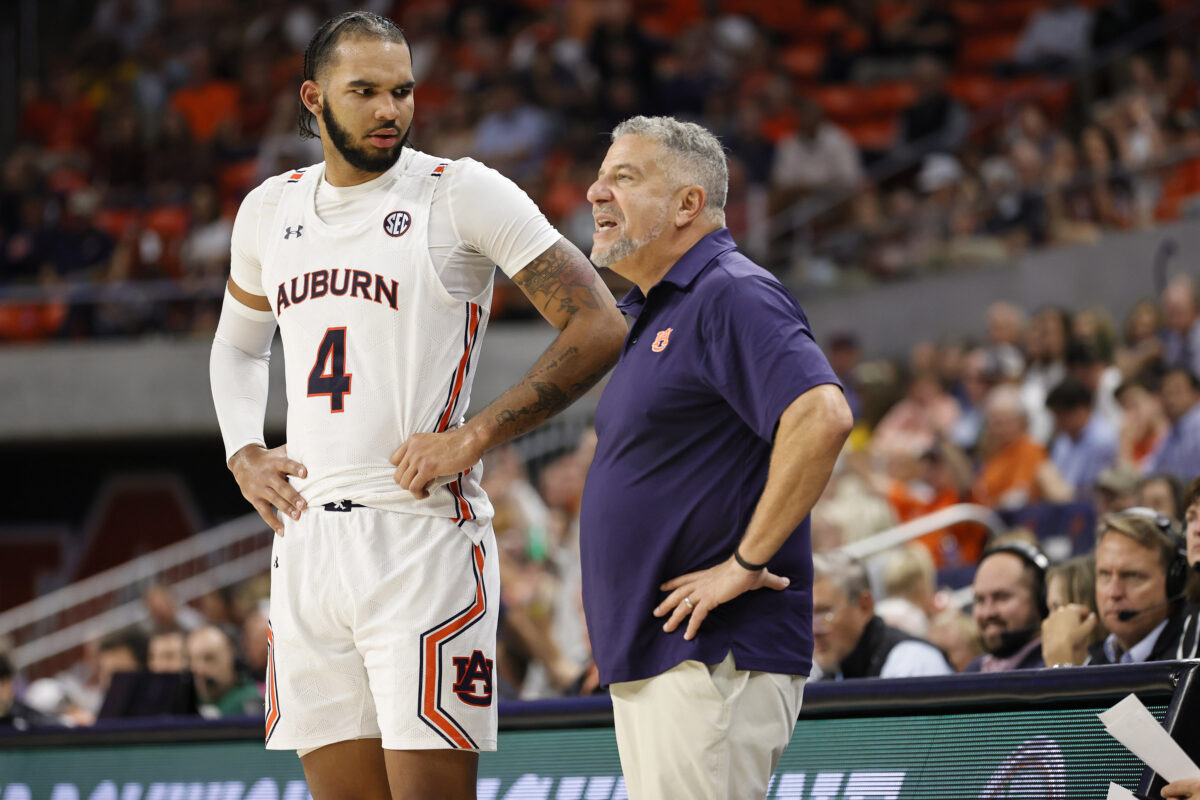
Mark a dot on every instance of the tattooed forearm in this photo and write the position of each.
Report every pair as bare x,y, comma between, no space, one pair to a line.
550,400
563,284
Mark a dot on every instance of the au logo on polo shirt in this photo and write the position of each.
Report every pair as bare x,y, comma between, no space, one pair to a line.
662,340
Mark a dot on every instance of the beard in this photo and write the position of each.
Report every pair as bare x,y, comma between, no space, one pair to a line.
358,156
624,247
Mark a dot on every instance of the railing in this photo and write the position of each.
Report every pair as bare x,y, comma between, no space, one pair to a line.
961,512
58,624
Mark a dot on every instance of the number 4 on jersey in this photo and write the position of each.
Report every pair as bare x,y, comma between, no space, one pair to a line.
329,376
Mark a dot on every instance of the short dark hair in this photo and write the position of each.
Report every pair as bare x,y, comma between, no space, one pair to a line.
320,49
130,639
1069,395
1173,483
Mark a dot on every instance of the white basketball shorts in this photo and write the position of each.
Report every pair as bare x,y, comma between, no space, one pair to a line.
382,625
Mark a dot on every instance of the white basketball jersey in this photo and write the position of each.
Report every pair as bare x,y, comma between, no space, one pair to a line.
375,348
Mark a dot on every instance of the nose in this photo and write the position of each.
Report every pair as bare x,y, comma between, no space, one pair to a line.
598,192
389,109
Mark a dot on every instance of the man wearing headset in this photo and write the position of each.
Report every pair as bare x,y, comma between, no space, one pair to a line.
1009,606
1141,575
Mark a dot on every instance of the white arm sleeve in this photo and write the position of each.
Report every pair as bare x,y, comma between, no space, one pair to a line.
239,365
239,369
494,216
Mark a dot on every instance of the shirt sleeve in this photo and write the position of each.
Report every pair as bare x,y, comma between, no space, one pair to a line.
914,659
245,265
493,216
761,354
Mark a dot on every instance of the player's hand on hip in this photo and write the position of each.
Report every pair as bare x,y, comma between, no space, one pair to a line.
425,457
693,595
262,475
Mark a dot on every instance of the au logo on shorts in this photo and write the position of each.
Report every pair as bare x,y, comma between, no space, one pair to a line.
471,671
396,223
661,340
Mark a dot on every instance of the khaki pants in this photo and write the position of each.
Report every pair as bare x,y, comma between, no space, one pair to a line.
697,732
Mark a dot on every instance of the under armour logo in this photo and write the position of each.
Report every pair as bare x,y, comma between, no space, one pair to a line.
290,233
276,562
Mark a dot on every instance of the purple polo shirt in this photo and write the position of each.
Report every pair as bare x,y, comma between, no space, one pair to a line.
716,353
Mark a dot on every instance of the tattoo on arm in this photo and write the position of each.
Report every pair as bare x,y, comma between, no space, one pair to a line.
550,400
561,281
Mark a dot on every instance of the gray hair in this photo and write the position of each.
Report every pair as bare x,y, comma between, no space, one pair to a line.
846,571
697,157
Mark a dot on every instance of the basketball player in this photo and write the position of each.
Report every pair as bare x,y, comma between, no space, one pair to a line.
376,265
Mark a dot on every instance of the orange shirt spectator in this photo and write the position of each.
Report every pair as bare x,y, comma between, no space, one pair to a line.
206,106
1008,478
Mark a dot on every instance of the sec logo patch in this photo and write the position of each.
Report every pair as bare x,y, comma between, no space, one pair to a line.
397,223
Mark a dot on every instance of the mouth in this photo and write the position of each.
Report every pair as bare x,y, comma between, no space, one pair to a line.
384,138
604,224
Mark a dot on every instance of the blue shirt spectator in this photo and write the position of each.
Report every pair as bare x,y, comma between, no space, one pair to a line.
1082,458
1179,453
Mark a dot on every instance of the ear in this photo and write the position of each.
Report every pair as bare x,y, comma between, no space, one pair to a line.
310,95
690,203
866,603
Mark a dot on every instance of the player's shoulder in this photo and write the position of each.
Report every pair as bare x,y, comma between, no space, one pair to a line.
269,191
456,170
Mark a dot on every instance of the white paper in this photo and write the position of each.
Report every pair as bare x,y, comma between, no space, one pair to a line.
1132,724
1116,792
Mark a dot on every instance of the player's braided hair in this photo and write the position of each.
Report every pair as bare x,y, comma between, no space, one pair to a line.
321,45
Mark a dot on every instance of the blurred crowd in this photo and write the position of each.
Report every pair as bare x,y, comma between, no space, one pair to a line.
868,139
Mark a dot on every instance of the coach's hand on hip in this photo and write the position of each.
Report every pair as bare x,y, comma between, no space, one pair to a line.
697,593
425,457
261,474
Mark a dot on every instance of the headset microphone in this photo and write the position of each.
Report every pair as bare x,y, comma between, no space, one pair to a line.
1127,614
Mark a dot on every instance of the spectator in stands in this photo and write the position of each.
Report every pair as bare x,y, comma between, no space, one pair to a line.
1139,596
981,372
1162,492
1010,603
513,134
1085,442
910,575
849,640
844,354
1189,642
166,650
956,635
1115,488
936,122
929,28
1047,339
1179,453
123,651
1181,339
1074,581
1142,347
1016,188
1144,422
254,644
206,249
818,160
918,420
1055,38
13,712
222,689
1086,365
164,612
1015,470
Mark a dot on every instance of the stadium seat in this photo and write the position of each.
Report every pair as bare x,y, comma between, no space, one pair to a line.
982,52
804,60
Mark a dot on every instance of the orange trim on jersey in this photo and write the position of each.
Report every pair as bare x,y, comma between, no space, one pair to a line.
272,687
461,373
431,674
